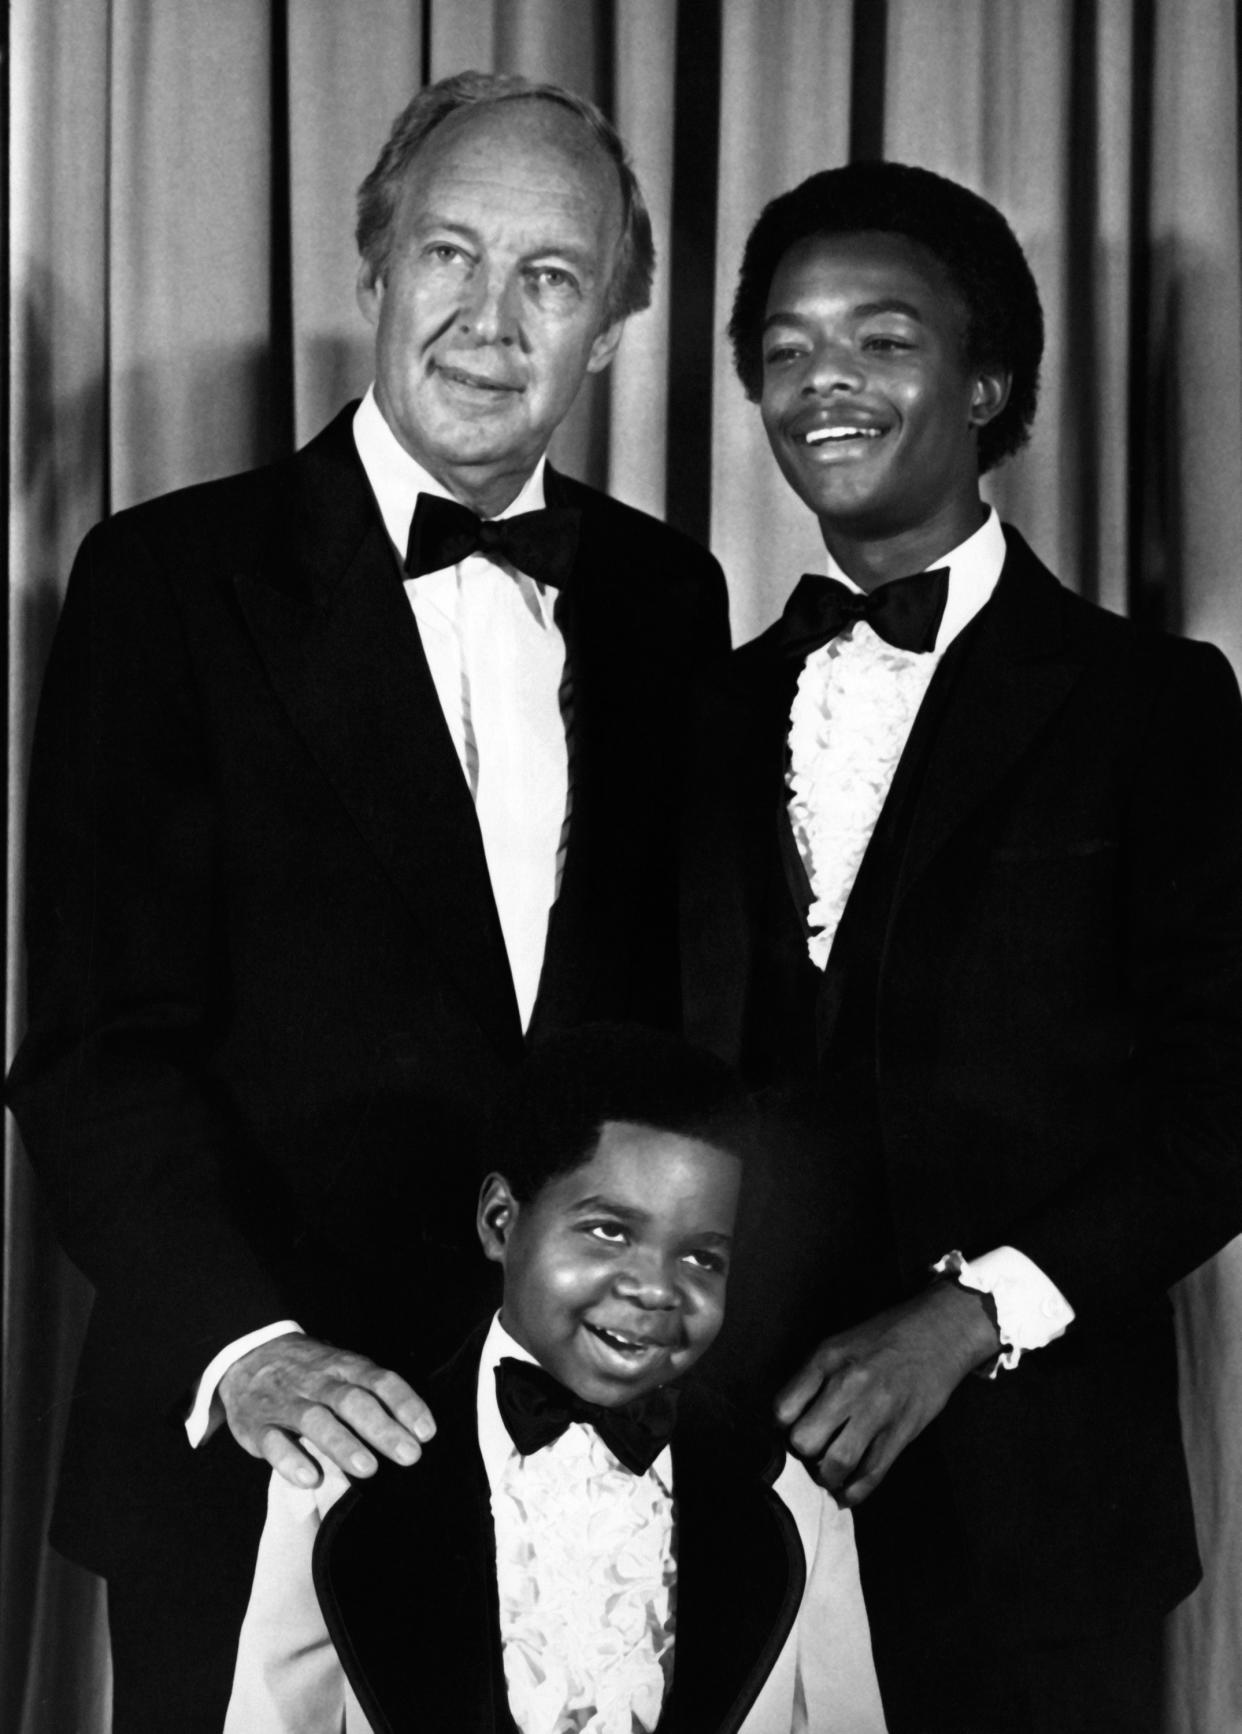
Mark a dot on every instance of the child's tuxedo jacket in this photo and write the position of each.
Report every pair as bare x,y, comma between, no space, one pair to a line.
404,1566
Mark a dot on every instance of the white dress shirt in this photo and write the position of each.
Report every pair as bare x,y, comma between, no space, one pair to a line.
497,660
855,706
585,1572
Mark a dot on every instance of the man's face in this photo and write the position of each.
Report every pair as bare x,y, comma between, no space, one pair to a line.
869,403
490,311
614,1274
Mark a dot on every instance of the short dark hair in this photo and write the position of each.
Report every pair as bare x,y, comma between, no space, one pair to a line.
574,1082
969,237
629,289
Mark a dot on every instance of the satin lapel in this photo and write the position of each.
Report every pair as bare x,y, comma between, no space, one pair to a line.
578,912
737,842
405,1573
1015,674
767,683
594,612
332,624
740,1577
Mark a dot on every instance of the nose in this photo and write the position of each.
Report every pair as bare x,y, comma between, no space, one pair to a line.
833,367
489,309
649,1280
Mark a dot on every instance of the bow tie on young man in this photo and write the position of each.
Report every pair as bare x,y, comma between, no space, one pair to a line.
536,1409
443,533
906,612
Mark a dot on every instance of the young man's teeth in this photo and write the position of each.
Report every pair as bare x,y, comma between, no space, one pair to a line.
818,435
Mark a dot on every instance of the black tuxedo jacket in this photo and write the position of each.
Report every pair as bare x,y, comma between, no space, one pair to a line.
405,1568
270,1010
1029,1033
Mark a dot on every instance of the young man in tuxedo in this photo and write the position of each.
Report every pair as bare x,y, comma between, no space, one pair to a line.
969,892
350,773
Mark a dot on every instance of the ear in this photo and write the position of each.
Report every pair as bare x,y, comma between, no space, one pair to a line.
498,1211
369,289
605,346
989,395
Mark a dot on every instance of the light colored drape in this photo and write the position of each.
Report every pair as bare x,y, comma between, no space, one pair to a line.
182,305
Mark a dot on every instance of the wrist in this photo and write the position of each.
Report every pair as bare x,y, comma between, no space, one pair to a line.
973,1315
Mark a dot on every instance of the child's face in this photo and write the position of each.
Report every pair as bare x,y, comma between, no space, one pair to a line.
869,404
614,1274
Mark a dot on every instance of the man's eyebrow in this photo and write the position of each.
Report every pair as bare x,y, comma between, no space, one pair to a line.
890,304
862,310
434,219
549,244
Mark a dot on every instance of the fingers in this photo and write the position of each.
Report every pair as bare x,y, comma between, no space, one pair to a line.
848,1419
285,1457
855,1460
405,1404
841,1397
347,1407
806,1384
860,1486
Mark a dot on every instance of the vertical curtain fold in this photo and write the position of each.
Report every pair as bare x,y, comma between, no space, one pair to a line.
182,305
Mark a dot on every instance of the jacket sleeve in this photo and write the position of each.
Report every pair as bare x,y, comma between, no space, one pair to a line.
824,1680
1169,1194
288,1678
113,1086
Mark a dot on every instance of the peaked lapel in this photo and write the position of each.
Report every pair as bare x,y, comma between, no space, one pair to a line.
740,1573
568,918
615,732
736,888
994,692
329,616
1015,674
404,1568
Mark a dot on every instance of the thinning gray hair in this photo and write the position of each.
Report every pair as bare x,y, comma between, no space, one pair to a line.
629,288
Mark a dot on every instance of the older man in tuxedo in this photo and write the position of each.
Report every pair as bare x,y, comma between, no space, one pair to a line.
350,773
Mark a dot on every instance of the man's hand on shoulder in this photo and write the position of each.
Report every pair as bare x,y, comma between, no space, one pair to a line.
867,1392
294,1387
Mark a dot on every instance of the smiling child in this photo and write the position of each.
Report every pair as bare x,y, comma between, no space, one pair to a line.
583,1546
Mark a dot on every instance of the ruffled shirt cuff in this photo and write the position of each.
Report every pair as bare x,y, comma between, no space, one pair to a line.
200,1423
1031,1311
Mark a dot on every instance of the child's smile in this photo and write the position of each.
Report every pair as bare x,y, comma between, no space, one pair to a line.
615,1272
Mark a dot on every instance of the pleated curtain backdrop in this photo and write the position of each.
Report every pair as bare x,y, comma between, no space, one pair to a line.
181,305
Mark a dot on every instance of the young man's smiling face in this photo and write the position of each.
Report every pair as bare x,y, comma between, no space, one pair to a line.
492,306
615,1273
869,402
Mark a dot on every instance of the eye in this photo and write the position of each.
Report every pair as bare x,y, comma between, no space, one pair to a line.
780,354
715,1263
885,344
553,277
444,253
614,1233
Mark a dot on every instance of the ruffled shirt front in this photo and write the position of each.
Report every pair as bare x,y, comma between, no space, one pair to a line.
585,1572
855,705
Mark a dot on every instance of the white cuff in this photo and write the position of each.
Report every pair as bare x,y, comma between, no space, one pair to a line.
1031,1311
200,1422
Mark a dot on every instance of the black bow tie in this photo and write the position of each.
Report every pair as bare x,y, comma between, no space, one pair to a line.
536,1409
906,612
541,544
